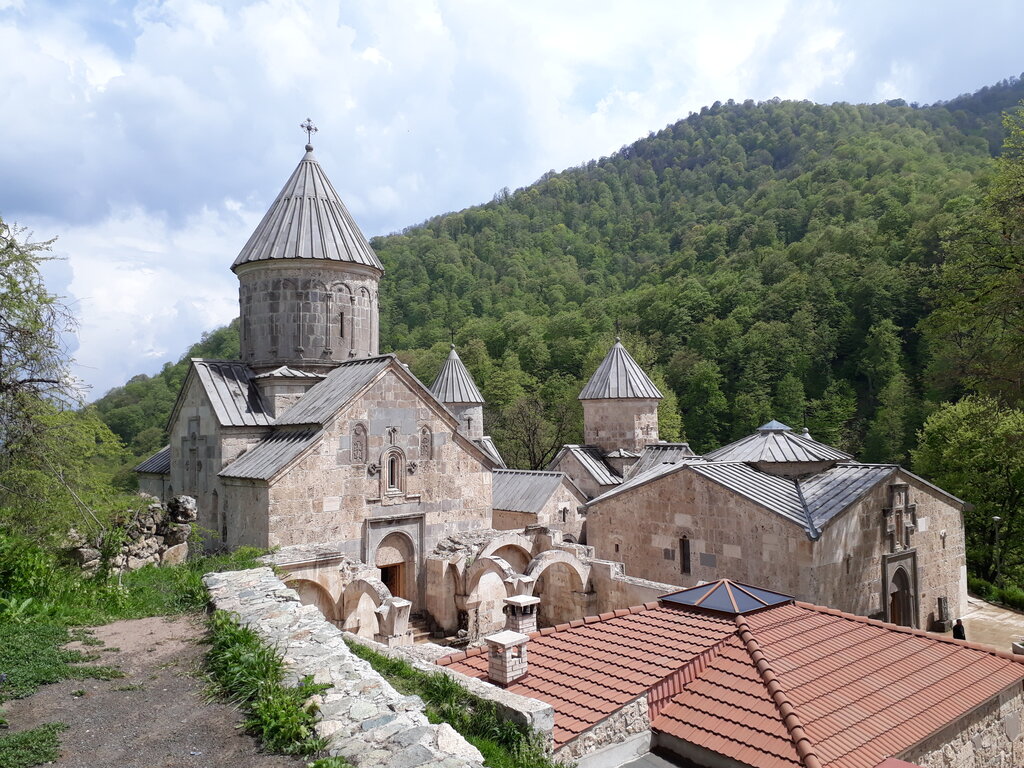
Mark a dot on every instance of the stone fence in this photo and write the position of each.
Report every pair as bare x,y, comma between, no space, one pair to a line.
157,535
365,720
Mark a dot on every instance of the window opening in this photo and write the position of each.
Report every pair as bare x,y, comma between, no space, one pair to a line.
684,555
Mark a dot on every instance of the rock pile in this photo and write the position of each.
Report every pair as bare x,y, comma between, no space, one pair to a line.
368,723
157,535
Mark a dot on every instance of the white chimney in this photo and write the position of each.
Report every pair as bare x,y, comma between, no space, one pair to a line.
506,657
521,613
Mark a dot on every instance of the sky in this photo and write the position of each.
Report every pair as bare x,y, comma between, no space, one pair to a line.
150,136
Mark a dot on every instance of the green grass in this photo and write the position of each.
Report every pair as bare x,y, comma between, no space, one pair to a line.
246,672
502,743
29,748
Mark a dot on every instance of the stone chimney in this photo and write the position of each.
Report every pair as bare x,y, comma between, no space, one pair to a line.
506,657
521,613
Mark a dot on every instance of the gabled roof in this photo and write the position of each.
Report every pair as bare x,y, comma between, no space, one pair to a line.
789,685
307,220
617,377
486,444
810,503
775,442
157,464
523,490
659,453
592,460
272,454
229,387
324,399
454,384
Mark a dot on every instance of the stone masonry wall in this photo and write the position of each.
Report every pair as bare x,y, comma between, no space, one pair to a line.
729,536
989,737
366,721
848,557
620,424
631,719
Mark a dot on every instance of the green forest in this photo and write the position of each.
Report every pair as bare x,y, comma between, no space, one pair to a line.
855,269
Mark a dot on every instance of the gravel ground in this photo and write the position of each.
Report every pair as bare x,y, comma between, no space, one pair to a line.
153,717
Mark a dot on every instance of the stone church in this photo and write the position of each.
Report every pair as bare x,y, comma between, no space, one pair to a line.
317,444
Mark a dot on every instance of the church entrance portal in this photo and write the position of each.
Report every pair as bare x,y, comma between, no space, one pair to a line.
394,557
900,603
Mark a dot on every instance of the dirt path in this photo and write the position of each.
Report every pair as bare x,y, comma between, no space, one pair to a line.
153,717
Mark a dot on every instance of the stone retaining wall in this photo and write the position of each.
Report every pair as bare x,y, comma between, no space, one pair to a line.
366,721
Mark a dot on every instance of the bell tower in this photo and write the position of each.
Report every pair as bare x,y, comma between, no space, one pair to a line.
307,280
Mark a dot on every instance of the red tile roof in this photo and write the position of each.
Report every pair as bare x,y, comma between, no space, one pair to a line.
793,685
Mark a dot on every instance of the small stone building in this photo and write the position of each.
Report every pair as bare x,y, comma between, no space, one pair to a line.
525,498
729,675
782,509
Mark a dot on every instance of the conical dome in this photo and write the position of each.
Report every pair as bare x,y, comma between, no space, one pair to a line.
618,377
454,384
308,221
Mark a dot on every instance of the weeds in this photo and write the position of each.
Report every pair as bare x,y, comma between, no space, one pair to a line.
243,670
28,748
502,743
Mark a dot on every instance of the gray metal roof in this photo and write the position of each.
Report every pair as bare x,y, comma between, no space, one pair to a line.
809,503
157,464
618,376
324,399
522,490
308,221
775,442
232,393
486,444
275,452
659,453
592,460
285,372
454,384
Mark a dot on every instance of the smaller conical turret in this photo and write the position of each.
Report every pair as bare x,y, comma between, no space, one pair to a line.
620,404
456,389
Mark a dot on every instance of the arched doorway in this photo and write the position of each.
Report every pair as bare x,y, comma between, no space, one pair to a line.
901,604
396,559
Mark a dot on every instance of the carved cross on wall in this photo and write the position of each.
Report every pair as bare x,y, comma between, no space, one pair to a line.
392,435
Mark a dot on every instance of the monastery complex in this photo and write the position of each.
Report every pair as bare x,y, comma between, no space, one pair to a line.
391,510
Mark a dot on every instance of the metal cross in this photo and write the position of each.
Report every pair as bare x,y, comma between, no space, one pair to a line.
310,129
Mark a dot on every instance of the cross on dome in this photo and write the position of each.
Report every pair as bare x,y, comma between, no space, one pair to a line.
310,129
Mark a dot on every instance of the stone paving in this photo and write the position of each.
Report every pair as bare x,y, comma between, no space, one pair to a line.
992,625
367,722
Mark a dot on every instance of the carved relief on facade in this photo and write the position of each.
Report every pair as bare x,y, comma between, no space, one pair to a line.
358,444
900,517
426,444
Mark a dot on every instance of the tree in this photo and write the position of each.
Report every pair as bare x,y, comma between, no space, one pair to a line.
979,322
33,363
975,450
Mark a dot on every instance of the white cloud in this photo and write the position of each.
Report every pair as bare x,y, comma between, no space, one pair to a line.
151,135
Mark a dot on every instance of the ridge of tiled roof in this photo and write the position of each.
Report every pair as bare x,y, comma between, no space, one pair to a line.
794,725
454,384
307,220
619,376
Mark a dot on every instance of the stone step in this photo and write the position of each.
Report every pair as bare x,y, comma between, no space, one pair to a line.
420,631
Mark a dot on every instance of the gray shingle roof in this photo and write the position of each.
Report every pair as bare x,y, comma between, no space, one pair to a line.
618,376
659,453
276,451
157,464
454,384
232,393
775,442
325,398
285,372
592,460
522,490
308,221
486,444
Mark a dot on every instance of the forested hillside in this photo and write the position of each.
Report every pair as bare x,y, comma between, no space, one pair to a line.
770,260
